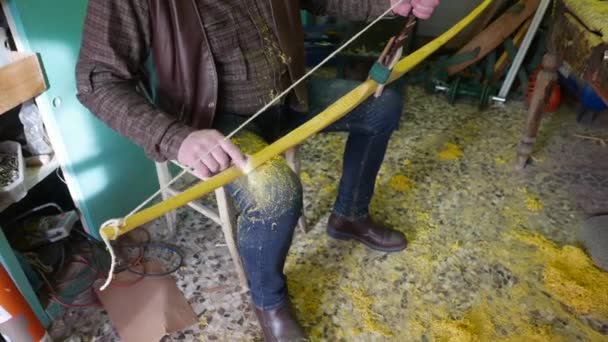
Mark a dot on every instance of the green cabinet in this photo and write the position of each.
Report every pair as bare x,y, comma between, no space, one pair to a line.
107,175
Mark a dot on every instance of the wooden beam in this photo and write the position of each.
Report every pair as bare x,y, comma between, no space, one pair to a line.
496,33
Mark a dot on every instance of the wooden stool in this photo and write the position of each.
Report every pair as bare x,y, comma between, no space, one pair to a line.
226,213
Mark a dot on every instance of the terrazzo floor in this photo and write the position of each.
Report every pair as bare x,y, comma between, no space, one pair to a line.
493,253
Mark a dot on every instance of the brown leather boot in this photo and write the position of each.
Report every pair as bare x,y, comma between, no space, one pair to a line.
280,325
372,235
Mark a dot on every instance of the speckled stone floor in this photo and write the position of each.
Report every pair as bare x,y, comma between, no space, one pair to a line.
493,253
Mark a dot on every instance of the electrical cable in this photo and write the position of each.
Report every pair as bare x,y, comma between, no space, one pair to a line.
88,257
174,250
97,268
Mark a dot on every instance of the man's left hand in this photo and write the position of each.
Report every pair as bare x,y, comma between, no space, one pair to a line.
423,9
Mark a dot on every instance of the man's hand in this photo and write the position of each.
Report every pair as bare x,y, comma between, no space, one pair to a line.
208,153
422,9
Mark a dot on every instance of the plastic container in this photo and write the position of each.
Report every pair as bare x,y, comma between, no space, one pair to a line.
15,191
34,129
583,91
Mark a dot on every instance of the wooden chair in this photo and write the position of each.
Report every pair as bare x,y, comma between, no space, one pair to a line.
226,214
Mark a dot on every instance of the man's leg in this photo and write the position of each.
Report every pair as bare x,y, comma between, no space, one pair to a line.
370,126
270,203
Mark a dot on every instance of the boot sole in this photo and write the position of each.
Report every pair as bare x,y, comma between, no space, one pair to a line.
346,237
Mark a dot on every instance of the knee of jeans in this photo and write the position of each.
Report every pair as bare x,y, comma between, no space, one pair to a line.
275,192
388,111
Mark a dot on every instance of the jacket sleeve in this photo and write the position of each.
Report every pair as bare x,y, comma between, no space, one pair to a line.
359,10
114,49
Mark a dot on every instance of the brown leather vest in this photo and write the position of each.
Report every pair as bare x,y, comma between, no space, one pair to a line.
185,72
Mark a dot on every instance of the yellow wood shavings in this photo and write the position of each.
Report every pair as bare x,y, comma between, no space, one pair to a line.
500,161
570,276
450,152
203,323
481,322
533,204
305,178
268,182
453,331
400,183
362,304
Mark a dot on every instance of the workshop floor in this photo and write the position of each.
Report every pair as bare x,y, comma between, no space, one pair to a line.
493,253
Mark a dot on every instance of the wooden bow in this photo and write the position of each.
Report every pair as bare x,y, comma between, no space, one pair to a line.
334,112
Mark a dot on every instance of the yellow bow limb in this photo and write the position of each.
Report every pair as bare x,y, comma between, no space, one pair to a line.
334,112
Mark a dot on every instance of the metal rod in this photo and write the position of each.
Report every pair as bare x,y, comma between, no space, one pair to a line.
523,50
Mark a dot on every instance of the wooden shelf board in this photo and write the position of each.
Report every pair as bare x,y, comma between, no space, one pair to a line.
20,81
35,175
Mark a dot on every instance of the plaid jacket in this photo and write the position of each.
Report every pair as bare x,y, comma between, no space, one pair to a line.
217,55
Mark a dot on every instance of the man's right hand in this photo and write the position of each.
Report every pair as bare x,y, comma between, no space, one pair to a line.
207,152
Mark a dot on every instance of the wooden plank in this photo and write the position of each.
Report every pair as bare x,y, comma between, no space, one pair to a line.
20,81
592,13
497,32
573,42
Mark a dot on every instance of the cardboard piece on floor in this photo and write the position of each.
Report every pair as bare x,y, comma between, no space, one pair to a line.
147,310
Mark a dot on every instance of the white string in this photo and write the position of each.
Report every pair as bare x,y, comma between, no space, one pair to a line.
116,223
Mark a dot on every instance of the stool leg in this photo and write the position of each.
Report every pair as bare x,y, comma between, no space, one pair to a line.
293,160
164,177
544,83
228,218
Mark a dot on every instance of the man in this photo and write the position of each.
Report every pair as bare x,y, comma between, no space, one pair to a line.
217,62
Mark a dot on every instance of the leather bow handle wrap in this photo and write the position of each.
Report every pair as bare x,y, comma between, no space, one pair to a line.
334,112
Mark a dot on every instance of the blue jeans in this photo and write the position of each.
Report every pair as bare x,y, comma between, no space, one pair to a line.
270,199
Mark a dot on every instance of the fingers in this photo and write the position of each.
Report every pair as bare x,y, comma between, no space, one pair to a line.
423,9
221,158
209,161
201,170
220,153
403,10
208,152
422,13
233,153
